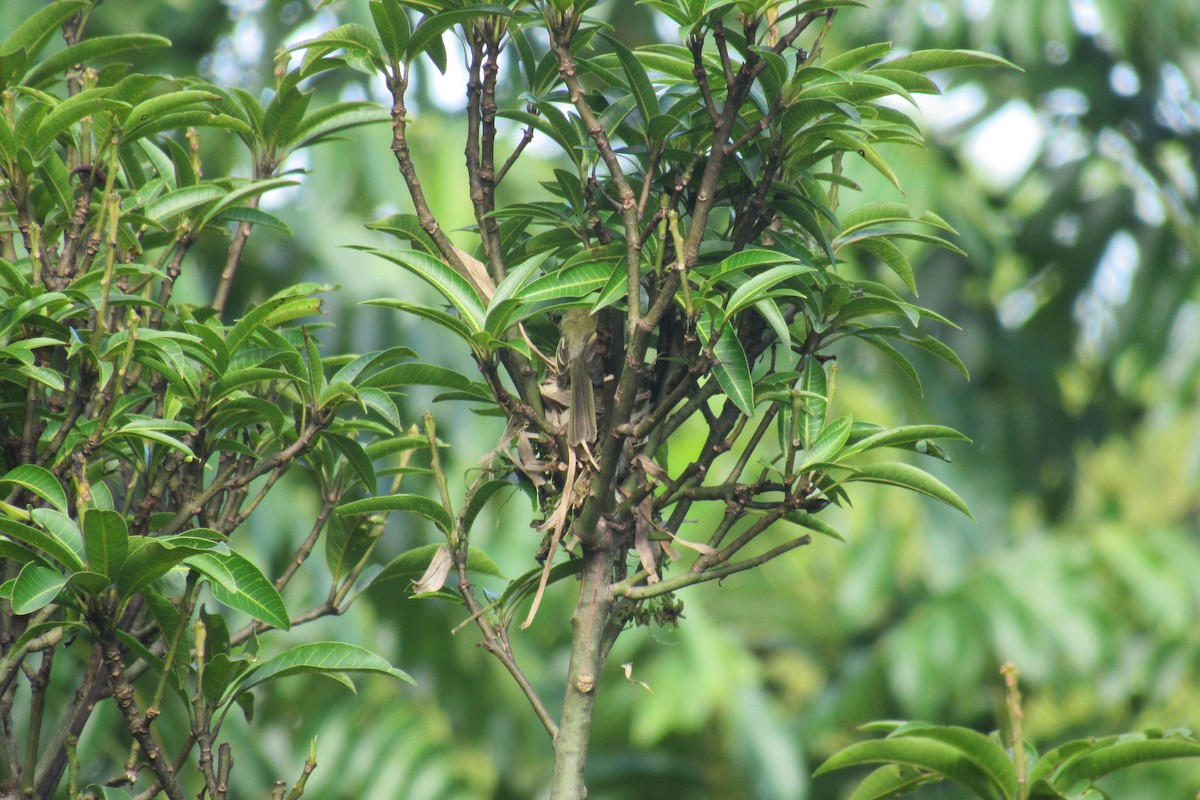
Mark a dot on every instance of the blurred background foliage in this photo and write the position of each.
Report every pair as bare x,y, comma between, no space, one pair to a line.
1074,189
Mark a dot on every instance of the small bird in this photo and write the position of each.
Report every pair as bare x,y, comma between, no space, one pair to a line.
580,367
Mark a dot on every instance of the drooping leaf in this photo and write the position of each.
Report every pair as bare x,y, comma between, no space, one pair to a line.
926,754
413,503
912,478
90,49
413,563
1127,751
452,286
334,657
983,751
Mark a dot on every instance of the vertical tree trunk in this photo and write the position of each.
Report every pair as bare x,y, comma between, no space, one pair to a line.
589,646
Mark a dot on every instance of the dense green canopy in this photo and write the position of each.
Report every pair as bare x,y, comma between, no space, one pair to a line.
1073,188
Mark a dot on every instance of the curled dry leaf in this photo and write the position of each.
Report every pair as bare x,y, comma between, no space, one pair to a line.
436,573
628,667
647,550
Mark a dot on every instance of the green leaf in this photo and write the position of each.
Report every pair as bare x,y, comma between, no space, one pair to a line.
40,482
982,750
150,559
430,31
769,310
813,523
758,286
512,284
163,104
246,190
906,434
912,478
933,60
828,444
408,228
70,111
442,277
355,39
32,34
392,25
51,543
1128,751
732,369
321,124
90,49
894,257
212,568
940,349
105,542
255,595
925,754
448,321
414,562
254,216
520,588
891,780
414,503
324,657
181,200
480,498
896,357
36,587
572,283
416,375
638,81
747,259
859,55
356,457
814,404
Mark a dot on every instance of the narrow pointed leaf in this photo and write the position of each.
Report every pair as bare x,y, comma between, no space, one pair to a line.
907,434
412,564
329,657
452,286
90,49
833,436
756,287
913,478
925,754
413,503
983,751
1130,752
892,780
933,60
